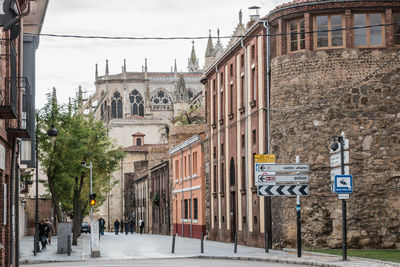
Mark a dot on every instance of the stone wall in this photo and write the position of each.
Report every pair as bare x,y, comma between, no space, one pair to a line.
312,101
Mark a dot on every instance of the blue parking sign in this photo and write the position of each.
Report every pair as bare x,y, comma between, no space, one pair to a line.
343,184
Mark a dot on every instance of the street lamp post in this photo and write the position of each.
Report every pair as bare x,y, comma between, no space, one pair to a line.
90,167
52,133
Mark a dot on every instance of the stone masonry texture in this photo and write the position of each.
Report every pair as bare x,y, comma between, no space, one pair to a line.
317,82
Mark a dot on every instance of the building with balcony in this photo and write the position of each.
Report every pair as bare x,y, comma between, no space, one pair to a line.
328,67
16,116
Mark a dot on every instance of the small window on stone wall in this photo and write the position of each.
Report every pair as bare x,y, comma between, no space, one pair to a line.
215,218
328,31
366,36
297,35
396,19
255,219
244,219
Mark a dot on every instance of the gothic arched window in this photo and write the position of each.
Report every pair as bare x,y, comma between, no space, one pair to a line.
161,100
116,105
137,103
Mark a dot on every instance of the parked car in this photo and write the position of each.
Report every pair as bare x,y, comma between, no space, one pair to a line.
85,227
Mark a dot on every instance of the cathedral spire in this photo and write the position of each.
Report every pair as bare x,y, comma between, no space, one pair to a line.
80,96
210,46
124,68
240,17
175,68
107,72
193,64
219,49
96,72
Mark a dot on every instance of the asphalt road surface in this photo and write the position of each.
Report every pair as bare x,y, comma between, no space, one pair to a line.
165,263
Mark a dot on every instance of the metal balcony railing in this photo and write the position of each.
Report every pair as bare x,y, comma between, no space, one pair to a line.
9,93
19,127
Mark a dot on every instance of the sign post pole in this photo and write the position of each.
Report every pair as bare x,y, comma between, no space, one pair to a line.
344,219
298,219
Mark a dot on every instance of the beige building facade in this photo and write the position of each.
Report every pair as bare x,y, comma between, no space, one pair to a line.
140,102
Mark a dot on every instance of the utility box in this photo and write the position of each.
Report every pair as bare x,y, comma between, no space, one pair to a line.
63,242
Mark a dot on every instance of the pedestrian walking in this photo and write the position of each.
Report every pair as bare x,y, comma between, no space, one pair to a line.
43,232
51,230
102,224
141,225
122,226
126,226
131,225
116,226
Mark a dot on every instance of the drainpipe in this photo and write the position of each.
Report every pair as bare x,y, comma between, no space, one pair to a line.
245,131
182,220
267,200
191,194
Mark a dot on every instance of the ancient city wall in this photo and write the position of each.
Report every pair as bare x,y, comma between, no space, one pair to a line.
311,103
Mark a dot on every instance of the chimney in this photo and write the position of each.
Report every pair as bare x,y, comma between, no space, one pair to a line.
254,13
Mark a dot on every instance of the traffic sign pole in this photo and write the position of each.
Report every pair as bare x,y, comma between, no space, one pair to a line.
344,216
298,219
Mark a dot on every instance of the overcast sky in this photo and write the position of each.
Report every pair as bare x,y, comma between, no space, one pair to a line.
67,63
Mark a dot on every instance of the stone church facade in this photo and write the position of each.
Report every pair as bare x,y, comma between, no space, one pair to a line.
140,102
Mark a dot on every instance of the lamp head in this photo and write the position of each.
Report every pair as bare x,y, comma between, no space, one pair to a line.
52,133
334,146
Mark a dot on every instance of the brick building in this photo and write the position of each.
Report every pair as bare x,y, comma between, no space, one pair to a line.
188,188
160,198
17,94
334,66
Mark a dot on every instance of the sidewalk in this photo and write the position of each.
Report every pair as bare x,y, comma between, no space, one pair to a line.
79,252
138,246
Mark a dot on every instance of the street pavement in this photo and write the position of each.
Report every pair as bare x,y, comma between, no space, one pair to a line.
156,247
166,263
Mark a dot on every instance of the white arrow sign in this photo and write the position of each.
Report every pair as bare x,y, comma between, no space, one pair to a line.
284,190
336,159
266,178
261,167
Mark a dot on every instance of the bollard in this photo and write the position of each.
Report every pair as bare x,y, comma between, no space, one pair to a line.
235,247
69,245
266,242
173,244
202,243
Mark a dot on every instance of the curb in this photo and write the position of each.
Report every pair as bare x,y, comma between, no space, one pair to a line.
395,264
278,260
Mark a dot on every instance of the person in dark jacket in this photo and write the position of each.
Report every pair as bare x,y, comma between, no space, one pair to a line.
126,225
122,226
43,232
102,225
131,225
116,226
141,225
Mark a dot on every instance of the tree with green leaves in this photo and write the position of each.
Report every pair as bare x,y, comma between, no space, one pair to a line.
189,116
81,139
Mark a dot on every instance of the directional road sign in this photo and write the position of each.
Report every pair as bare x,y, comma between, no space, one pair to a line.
265,179
260,167
264,158
343,184
284,190
336,159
